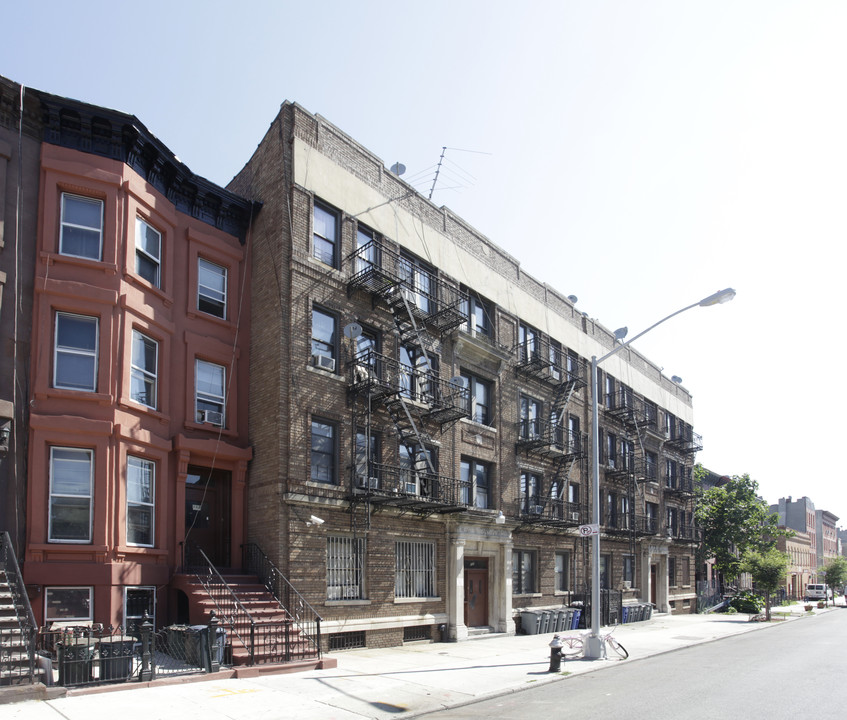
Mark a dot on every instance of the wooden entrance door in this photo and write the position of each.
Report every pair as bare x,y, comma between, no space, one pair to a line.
476,592
207,514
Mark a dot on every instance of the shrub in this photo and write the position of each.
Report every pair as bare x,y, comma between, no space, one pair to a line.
747,602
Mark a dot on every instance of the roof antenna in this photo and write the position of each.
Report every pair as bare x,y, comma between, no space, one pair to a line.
437,170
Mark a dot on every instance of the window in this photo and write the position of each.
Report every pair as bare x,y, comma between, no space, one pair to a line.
671,525
530,413
685,564
324,339
367,249
573,366
71,473
345,564
367,459
478,314
474,479
529,342
420,279
75,360
148,252
416,469
416,367
671,478
555,353
611,515
672,571
82,227
652,518
609,391
140,501
574,436
479,395
651,461
625,518
210,393
628,455
611,449
144,369
629,569
414,569
562,571
523,572
68,603
137,602
530,498
211,288
573,494
325,235
323,451
605,571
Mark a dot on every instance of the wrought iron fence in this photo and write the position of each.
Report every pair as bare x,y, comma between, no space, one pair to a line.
86,655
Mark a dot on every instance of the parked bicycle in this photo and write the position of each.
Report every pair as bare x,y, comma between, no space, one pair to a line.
574,644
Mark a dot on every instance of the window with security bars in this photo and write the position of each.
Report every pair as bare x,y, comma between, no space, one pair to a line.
345,563
414,569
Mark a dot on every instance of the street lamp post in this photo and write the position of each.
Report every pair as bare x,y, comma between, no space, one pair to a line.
594,649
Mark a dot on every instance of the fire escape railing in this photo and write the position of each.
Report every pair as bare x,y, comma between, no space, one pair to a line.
537,509
685,441
379,376
410,486
9,668
381,270
540,358
306,618
548,438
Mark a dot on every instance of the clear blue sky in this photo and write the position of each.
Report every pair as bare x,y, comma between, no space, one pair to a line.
639,155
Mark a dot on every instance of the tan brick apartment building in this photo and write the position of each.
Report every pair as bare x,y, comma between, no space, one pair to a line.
139,366
419,407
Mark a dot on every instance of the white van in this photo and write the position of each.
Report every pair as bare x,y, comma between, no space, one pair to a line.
818,591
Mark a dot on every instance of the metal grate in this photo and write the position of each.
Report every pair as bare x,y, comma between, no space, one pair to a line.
347,641
417,632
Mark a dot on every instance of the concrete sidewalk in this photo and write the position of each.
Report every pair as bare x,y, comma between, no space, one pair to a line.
400,682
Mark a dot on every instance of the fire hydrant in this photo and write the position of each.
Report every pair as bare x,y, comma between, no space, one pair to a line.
556,646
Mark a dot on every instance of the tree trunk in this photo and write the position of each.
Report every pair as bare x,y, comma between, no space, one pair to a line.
768,606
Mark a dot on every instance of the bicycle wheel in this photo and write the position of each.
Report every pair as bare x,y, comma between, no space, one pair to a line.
617,647
571,645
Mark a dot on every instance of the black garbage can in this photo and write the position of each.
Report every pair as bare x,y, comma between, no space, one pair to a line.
76,659
116,654
176,641
197,646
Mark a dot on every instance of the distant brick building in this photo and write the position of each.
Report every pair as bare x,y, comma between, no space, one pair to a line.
413,389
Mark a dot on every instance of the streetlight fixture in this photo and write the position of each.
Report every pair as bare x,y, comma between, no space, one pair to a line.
594,649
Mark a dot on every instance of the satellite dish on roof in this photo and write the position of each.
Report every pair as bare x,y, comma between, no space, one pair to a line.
677,379
398,168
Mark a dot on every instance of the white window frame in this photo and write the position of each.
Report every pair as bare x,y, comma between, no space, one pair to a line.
520,570
69,350
562,570
345,567
149,466
213,296
320,240
65,224
140,373
82,619
131,618
142,252
90,496
207,395
414,570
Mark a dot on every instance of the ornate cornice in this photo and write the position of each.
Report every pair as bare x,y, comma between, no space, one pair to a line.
112,134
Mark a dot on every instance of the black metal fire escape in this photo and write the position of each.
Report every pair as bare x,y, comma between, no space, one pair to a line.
416,401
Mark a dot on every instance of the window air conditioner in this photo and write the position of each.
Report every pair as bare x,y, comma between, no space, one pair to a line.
367,482
574,516
210,416
323,362
536,509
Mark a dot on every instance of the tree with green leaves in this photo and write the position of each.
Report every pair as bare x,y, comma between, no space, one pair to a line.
734,521
768,569
835,574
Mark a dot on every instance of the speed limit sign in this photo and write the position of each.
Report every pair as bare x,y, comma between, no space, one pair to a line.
586,530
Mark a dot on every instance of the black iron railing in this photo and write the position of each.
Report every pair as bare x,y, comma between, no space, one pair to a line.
303,639
550,438
548,511
411,486
17,635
